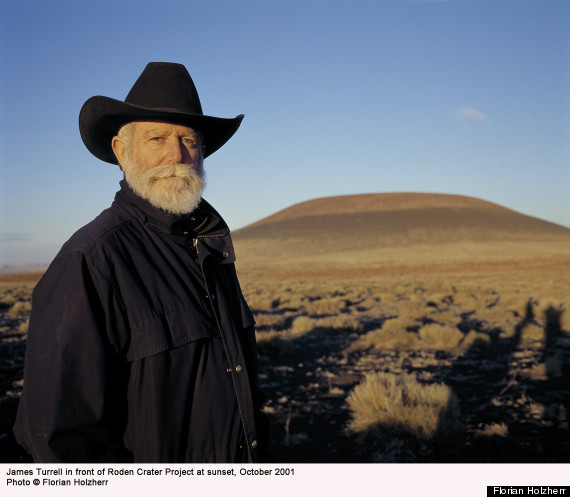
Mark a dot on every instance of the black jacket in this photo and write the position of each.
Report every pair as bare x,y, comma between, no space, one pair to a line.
140,345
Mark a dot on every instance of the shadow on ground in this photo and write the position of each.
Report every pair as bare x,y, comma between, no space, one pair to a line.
508,416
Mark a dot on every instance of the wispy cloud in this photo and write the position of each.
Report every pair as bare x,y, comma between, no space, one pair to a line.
471,116
15,237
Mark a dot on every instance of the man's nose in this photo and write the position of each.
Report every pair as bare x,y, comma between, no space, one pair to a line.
175,151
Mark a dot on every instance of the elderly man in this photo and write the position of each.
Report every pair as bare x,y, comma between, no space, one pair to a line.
141,346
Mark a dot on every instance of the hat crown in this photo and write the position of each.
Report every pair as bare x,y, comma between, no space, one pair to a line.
165,85
163,92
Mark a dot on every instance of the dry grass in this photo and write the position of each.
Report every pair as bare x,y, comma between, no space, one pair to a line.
440,337
325,306
11,293
493,430
533,335
20,308
394,334
415,314
475,340
401,403
266,320
17,297
302,325
340,322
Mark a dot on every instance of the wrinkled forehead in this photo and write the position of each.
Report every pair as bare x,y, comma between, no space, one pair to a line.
161,127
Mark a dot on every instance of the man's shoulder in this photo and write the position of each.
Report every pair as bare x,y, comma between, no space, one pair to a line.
96,233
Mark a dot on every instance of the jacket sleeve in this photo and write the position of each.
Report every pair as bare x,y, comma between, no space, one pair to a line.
71,410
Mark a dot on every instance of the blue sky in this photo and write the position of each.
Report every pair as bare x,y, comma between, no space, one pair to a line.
340,97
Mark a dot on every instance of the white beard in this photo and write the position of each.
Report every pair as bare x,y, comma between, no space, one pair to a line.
174,188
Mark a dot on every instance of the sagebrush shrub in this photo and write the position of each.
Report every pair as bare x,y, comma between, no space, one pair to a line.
266,319
438,336
261,302
497,317
475,339
341,322
325,306
20,308
493,430
514,302
393,334
412,309
532,334
302,325
400,403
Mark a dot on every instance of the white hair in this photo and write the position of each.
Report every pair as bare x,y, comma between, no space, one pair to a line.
174,188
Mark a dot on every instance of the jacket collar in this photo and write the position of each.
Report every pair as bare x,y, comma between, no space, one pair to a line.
204,220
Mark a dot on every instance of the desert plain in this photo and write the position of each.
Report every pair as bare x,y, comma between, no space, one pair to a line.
402,328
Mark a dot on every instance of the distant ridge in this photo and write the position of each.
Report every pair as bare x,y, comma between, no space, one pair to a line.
374,202
22,268
388,227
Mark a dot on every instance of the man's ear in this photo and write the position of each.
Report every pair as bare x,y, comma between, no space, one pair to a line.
118,145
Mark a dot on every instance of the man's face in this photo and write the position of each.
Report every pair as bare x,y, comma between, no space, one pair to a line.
163,163
156,144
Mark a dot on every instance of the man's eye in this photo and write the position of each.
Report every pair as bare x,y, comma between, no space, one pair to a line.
190,142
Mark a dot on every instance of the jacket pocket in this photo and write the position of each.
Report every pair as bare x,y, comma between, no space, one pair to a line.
154,331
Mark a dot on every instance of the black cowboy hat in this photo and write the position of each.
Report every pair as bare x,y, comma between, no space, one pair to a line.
164,92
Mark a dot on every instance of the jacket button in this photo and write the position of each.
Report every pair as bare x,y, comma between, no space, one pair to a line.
226,254
238,369
254,444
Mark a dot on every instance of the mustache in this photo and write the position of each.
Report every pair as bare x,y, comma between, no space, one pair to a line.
182,171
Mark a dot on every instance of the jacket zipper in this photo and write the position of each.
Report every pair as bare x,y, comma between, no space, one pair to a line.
195,240
235,380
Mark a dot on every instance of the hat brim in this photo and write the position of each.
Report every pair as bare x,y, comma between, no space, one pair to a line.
101,118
